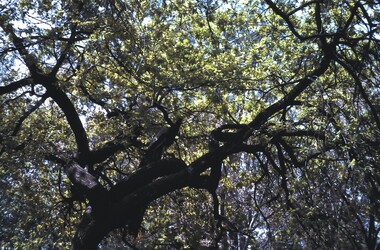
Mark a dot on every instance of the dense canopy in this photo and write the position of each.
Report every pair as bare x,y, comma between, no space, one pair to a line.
187,124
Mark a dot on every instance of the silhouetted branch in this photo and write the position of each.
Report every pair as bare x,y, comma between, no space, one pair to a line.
15,85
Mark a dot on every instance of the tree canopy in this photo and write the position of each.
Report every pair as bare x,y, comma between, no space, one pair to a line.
189,124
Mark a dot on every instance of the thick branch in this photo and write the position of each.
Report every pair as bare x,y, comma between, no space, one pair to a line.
328,53
81,178
224,134
318,19
102,154
126,211
128,200
71,114
49,82
146,175
264,115
30,60
89,232
15,85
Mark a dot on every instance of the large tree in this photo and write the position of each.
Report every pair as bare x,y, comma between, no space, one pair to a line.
183,124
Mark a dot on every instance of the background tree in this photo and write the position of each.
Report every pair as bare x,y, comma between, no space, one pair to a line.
271,113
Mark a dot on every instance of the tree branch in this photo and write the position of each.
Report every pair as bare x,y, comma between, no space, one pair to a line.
49,82
27,113
361,90
286,18
301,7
263,116
30,60
146,175
71,115
63,56
15,85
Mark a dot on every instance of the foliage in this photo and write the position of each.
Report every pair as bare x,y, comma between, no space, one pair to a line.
278,146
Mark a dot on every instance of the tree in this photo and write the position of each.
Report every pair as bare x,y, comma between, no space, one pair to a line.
269,109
